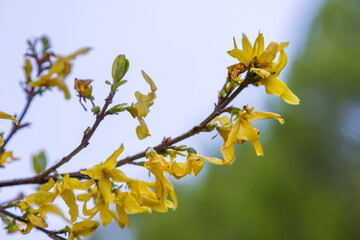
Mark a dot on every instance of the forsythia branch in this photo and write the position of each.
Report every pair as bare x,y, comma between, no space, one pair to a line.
42,177
104,185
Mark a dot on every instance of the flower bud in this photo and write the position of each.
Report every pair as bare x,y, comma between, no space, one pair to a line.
119,68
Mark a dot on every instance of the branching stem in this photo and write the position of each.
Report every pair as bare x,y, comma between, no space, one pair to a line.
44,176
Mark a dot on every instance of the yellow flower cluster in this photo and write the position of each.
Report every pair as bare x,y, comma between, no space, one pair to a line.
141,108
137,197
259,64
111,194
260,60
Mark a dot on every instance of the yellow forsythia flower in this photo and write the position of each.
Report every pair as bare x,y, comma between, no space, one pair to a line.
126,203
33,216
141,108
83,88
141,190
106,214
58,72
65,188
84,228
242,130
260,61
36,216
163,186
103,172
28,69
4,157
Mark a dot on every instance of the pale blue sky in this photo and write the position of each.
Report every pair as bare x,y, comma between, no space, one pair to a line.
180,44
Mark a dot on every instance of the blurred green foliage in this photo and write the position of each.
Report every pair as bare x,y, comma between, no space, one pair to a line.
307,186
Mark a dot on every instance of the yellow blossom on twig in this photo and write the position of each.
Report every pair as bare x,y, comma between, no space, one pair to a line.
260,60
84,228
58,72
103,172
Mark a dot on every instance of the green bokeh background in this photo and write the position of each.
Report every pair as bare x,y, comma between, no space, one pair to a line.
307,186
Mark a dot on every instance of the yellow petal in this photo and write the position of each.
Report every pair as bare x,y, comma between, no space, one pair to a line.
57,66
174,198
69,198
105,216
149,81
51,208
153,204
282,46
47,186
278,88
4,115
268,55
258,115
228,154
261,72
252,135
214,160
142,130
39,198
119,176
84,228
37,221
258,45
247,48
105,186
65,183
110,163
179,170
241,56
59,82
281,63
29,227
123,217
78,52
132,206
81,185
235,46
4,157
232,136
197,166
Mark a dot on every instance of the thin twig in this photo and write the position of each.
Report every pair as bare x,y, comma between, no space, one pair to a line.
51,234
30,96
84,142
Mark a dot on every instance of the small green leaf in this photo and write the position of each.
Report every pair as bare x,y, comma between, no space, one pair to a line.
39,162
119,68
46,44
118,108
191,150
